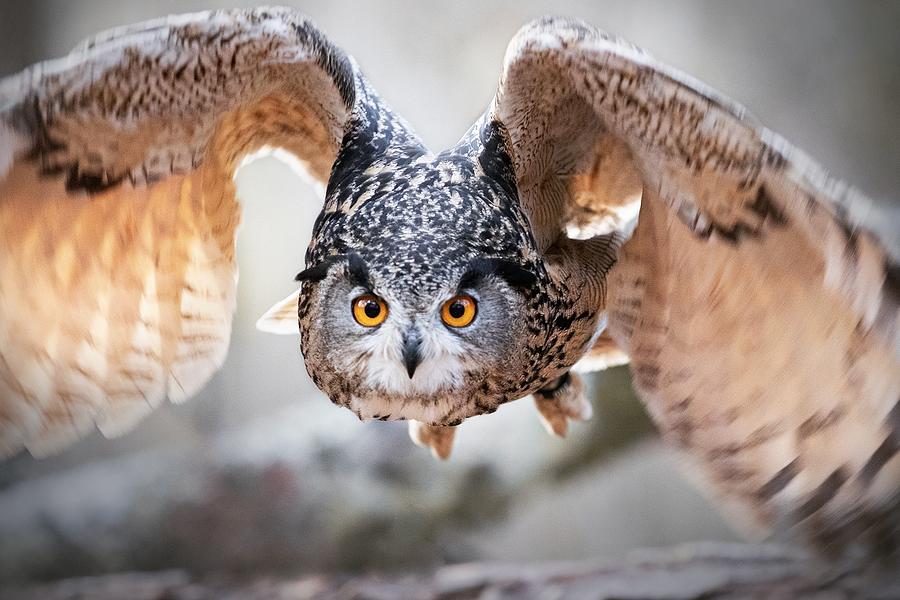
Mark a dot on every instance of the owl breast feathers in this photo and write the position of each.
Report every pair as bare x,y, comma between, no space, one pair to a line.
604,209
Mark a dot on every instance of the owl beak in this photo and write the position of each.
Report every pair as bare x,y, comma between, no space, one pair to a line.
411,357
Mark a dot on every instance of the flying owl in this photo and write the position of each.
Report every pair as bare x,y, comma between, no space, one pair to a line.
604,209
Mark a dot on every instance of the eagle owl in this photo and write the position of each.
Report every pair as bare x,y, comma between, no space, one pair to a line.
604,209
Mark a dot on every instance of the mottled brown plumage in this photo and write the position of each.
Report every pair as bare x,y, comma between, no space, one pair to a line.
605,208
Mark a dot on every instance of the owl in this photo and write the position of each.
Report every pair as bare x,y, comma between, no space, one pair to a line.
604,209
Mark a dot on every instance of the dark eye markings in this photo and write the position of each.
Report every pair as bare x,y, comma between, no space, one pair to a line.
510,271
318,271
357,270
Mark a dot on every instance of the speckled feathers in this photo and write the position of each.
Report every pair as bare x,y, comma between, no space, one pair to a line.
759,310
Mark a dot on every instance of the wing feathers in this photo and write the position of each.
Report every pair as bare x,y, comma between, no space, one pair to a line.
755,299
118,214
135,306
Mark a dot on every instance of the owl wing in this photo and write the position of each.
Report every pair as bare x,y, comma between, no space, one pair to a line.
118,211
757,305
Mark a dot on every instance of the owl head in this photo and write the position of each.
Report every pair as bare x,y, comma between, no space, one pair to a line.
416,302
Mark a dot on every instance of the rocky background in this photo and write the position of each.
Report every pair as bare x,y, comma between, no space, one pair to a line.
260,476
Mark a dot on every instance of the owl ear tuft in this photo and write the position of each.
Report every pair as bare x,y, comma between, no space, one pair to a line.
282,318
510,271
319,271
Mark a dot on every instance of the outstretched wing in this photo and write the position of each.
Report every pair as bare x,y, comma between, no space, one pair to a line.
758,308
118,211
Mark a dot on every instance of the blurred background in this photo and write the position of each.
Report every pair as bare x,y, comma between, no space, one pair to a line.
260,473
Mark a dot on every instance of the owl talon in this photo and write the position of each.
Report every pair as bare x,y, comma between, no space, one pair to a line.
562,401
437,438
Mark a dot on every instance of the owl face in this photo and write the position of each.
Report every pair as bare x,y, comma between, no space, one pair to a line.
432,353
422,300
425,298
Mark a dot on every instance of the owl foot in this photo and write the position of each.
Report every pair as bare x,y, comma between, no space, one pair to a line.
438,438
560,401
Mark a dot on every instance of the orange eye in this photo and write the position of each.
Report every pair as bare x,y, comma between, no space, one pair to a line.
369,310
459,311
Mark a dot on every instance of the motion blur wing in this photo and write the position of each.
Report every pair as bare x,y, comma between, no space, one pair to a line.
118,211
757,306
